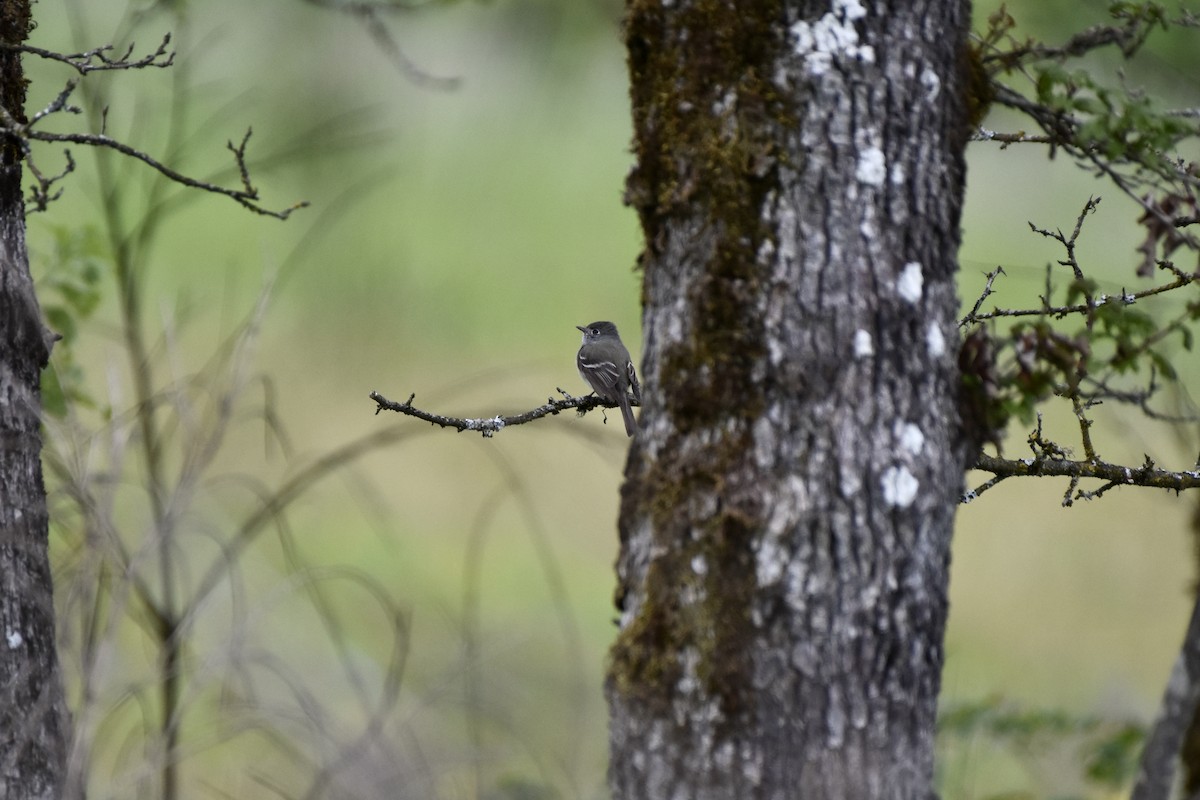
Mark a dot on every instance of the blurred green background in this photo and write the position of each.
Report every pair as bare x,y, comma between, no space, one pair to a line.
457,234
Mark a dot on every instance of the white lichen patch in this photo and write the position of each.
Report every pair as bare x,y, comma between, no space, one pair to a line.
776,351
872,167
935,341
899,487
909,436
832,37
688,661
770,561
14,638
931,83
864,347
849,9
771,556
911,282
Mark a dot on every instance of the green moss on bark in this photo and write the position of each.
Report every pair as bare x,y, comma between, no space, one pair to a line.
709,123
707,119
696,594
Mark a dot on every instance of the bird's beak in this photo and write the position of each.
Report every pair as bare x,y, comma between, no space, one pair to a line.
580,327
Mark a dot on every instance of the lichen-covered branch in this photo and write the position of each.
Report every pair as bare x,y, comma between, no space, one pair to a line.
490,426
1148,474
1117,350
98,59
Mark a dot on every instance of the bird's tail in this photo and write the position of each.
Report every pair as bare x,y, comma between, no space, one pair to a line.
627,415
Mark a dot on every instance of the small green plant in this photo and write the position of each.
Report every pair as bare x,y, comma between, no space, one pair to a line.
69,289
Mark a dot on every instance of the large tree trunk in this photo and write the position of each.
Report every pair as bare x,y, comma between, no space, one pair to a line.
788,504
32,712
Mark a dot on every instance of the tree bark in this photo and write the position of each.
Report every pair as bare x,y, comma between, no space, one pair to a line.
1167,738
33,724
789,500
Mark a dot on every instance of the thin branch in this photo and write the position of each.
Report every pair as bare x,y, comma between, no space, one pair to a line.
1005,139
98,60
984,295
1061,128
247,196
1128,38
1079,408
489,427
973,494
1125,298
43,193
1147,475
95,60
370,14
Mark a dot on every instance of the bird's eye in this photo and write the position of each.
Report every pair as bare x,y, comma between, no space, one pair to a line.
595,331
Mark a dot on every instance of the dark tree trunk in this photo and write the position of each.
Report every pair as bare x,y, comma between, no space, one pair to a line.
788,504
33,725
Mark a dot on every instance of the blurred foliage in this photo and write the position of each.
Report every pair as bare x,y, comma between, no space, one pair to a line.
69,291
1169,60
1117,123
1105,750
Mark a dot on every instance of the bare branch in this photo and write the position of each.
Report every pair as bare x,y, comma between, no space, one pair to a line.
43,193
1005,139
370,15
971,495
57,105
1128,38
1148,475
489,427
973,316
1126,298
247,196
98,60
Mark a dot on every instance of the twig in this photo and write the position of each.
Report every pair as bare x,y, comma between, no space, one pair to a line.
1020,137
25,132
41,194
247,196
370,14
97,59
1125,298
984,295
973,494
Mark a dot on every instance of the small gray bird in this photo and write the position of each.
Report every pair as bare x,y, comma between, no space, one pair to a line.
604,364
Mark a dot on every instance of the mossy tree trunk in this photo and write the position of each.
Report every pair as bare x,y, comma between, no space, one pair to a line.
788,504
33,725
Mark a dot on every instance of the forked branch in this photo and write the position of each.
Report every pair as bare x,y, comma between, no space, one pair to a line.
99,60
25,132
